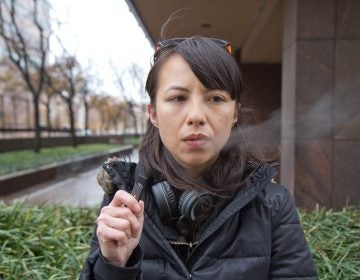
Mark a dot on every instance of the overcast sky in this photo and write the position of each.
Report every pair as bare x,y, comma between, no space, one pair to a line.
100,31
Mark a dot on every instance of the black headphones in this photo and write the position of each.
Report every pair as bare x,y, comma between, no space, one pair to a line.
191,207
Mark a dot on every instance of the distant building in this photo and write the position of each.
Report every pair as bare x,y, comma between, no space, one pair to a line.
16,105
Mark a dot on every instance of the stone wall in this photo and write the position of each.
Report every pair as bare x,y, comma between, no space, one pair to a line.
320,130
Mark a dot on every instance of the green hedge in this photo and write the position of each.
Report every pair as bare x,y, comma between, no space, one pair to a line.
10,161
48,242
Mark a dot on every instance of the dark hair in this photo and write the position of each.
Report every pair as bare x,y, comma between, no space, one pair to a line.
216,69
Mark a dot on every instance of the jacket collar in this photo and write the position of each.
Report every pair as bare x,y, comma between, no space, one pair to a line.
245,195
262,177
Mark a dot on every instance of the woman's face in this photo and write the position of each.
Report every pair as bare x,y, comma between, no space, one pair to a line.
194,122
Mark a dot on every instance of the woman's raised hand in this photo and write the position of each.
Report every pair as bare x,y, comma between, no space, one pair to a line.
119,228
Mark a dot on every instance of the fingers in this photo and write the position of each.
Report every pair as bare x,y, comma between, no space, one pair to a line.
119,227
123,225
141,213
119,222
120,218
124,198
107,234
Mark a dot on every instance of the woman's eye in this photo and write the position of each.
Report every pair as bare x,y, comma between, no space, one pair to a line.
178,98
217,99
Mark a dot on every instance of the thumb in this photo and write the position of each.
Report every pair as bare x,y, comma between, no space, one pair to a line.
140,214
123,198
116,201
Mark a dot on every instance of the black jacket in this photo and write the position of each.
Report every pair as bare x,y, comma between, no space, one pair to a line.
256,235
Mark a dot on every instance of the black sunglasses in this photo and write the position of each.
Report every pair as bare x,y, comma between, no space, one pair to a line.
175,41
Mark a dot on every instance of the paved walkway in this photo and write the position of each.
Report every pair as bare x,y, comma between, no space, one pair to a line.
80,190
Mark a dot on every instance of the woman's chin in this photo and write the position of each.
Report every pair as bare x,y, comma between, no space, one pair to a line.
196,165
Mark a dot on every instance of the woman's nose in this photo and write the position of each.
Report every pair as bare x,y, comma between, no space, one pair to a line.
196,114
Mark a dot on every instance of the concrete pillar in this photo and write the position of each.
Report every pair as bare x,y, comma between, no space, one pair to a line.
320,123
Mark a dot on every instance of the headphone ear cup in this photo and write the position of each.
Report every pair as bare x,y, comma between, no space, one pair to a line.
193,205
186,205
165,200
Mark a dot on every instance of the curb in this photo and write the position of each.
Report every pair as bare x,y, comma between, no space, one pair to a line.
25,179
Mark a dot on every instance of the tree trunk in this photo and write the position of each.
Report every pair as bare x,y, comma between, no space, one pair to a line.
2,111
115,124
126,125
134,122
72,124
48,120
123,126
28,113
86,107
15,112
38,143
133,115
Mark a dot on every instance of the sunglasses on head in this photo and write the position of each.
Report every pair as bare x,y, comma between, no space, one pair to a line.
175,41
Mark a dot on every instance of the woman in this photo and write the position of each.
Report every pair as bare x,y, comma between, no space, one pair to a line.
209,207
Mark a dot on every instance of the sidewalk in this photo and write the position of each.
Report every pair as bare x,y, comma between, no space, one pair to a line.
79,190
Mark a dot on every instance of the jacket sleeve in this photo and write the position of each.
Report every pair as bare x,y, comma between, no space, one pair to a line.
96,267
290,256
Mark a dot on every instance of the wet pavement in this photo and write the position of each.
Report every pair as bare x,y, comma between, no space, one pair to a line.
80,190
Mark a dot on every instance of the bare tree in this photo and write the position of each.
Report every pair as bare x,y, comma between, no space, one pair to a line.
119,82
101,104
49,94
117,111
66,79
136,75
25,31
84,92
111,112
84,87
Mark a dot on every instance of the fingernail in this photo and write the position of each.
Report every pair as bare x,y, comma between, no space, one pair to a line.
138,208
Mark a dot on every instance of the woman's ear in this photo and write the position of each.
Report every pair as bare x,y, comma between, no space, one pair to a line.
237,112
152,115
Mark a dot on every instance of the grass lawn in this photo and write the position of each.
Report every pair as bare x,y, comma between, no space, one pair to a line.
26,159
51,242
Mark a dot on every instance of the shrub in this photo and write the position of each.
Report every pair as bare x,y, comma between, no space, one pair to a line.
334,238
52,242
44,242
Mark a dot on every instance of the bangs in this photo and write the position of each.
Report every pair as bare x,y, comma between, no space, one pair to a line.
212,65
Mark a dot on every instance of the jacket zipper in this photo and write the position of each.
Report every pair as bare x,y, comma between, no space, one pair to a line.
190,244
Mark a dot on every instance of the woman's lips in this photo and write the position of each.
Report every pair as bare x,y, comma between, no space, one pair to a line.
196,141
